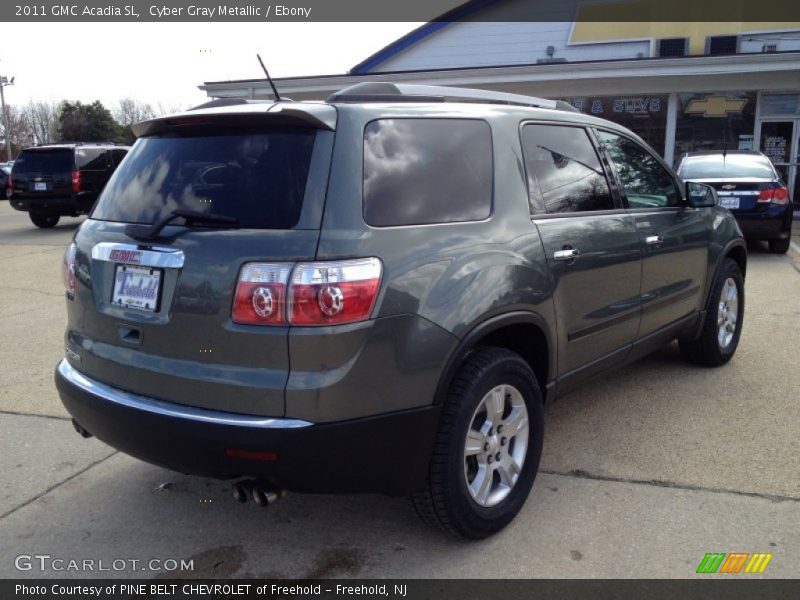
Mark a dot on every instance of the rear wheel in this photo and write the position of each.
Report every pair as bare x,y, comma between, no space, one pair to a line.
723,323
488,446
44,221
779,246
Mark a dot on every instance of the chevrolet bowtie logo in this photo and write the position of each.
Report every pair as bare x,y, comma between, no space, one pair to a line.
715,106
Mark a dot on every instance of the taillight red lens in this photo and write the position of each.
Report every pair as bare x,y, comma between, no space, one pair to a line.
780,196
320,293
260,297
77,181
68,271
776,195
331,293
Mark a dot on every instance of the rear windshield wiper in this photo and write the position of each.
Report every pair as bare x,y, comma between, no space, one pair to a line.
150,232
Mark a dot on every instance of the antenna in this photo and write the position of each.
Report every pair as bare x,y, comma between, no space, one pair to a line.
274,89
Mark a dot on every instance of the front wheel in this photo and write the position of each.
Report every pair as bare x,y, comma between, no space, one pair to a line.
723,323
44,221
488,446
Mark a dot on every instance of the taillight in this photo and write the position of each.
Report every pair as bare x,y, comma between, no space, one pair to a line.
776,195
329,293
77,181
10,185
319,293
68,271
260,297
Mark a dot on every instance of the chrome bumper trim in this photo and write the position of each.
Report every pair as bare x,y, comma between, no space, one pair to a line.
131,254
168,409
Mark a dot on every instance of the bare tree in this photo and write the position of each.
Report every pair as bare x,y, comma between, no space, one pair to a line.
43,121
21,133
163,109
129,112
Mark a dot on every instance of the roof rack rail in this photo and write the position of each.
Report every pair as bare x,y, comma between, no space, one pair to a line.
74,143
381,91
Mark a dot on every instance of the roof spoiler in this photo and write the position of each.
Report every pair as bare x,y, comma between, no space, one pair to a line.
280,113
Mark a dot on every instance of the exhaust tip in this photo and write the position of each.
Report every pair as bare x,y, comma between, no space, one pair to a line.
264,496
241,492
80,429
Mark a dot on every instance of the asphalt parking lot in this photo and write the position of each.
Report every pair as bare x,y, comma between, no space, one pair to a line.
643,472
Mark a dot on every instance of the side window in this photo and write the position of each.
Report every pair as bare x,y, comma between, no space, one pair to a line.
421,171
117,156
564,171
647,184
93,159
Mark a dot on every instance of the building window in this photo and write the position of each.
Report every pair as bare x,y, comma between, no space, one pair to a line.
714,121
671,47
722,44
780,105
646,115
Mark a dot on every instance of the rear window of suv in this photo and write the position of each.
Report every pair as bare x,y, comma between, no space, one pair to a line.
45,161
258,178
423,171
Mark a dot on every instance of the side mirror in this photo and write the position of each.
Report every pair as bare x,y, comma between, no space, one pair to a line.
700,195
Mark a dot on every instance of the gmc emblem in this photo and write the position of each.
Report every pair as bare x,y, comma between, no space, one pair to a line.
131,257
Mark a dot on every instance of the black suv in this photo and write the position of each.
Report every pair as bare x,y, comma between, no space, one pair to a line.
52,181
377,293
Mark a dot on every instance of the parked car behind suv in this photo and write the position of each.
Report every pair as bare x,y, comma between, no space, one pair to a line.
378,293
57,180
5,171
749,186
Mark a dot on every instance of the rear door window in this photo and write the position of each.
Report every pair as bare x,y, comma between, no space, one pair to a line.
257,178
563,170
423,171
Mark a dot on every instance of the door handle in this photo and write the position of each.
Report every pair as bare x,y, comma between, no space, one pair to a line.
566,254
654,240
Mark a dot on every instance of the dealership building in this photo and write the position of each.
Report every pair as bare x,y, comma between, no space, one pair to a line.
681,86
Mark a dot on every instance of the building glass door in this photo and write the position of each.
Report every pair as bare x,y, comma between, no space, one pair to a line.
779,138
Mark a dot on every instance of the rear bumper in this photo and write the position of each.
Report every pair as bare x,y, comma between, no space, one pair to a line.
66,205
774,223
386,454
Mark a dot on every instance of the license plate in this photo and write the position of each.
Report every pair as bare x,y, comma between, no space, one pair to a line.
40,186
136,287
729,202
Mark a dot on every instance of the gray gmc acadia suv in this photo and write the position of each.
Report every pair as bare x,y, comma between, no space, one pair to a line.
378,292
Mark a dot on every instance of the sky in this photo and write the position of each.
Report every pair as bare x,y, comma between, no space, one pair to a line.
165,62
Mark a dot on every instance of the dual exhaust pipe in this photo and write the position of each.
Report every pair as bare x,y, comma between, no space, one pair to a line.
260,492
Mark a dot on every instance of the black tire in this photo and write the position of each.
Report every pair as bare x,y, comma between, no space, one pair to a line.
446,502
779,246
44,221
706,350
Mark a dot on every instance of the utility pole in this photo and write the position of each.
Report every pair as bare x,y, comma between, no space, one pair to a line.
4,81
